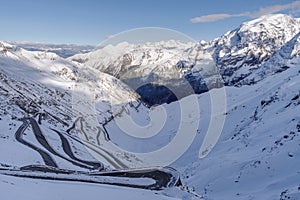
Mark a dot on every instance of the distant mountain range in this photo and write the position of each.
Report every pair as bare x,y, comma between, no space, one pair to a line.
63,50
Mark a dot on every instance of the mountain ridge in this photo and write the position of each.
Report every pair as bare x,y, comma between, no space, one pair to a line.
235,56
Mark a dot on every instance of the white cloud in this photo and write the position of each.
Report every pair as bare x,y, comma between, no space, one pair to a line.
210,18
110,37
275,9
292,7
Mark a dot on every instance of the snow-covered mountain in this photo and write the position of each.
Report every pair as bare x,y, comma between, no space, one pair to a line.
142,66
237,56
256,156
241,52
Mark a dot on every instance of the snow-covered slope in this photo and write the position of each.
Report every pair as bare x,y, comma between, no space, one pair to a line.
258,153
16,188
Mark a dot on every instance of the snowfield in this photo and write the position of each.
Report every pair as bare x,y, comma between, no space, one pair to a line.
18,188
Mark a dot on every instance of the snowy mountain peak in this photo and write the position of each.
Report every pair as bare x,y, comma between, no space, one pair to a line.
240,52
278,19
265,33
279,26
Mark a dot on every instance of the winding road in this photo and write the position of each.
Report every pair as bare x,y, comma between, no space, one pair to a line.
45,155
160,177
110,158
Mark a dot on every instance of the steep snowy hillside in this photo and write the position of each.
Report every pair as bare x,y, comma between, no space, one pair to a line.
258,154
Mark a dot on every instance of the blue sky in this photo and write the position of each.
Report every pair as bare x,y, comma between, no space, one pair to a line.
90,22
